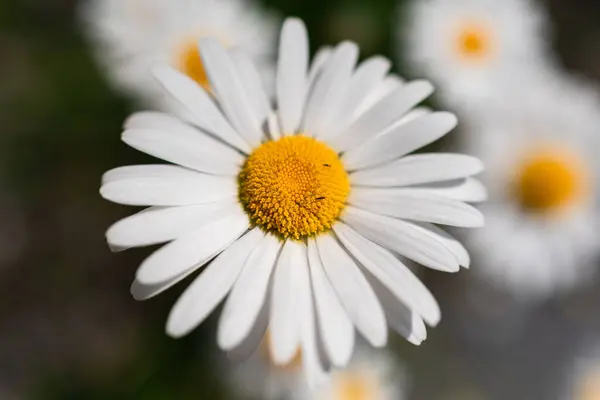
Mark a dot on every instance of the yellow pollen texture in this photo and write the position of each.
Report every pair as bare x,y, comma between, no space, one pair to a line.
294,187
190,63
473,42
549,181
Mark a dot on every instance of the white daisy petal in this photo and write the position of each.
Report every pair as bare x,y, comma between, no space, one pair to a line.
290,279
206,114
252,83
460,253
382,115
165,185
141,291
328,94
152,120
316,68
211,286
387,86
400,140
311,362
353,290
273,126
398,316
403,237
367,77
419,169
252,341
391,272
416,206
192,250
248,295
336,327
229,89
469,190
187,147
324,108
292,74
161,224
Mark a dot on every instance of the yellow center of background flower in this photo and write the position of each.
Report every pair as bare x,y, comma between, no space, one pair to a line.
589,388
294,187
352,386
473,42
549,181
190,63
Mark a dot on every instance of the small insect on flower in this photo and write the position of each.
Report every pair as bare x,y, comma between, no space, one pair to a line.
131,36
295,246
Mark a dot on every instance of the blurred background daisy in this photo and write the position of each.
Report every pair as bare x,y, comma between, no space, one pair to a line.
131,36
523,77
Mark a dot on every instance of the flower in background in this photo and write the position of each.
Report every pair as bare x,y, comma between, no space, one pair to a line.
301,208
583,376
131,36
542,165
371,375
468,46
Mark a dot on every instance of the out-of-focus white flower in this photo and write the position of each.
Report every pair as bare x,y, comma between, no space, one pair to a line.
131,36
302,208
371,375
542,154
468,46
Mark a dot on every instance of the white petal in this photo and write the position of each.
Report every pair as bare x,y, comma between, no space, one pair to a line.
161,224
165,185
152,120
211,286
399,317
325,102
314,370
416,206
382,115
336,327
353,290
206,114
252,341
187,147
290,279
228,88
252,83
470,190
460,253
391,272
367,77
316,68
418,169
193,250
273,126
292,72
403,237
141,291
400,140
387,86
248,295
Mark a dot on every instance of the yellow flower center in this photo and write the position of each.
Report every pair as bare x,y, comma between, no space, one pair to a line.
549,180
354,386
190,63
294,365
294,187
473,42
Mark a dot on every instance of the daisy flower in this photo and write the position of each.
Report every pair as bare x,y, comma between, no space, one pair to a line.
466,46
542,170
131,36
301,209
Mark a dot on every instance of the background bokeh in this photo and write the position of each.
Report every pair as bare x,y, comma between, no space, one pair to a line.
69,328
